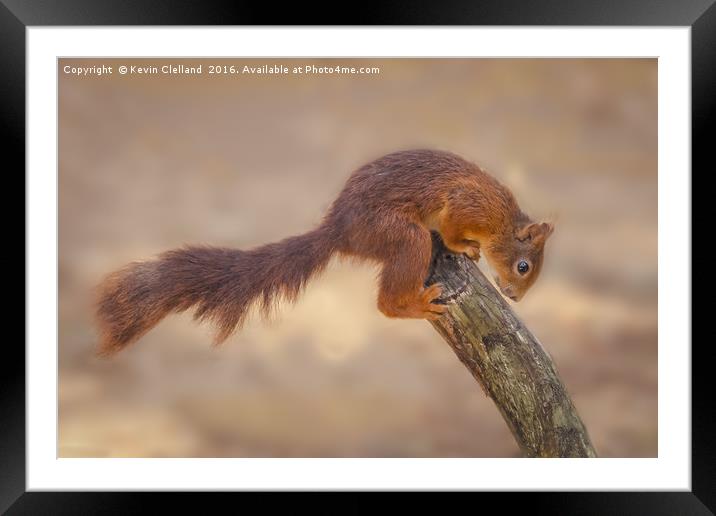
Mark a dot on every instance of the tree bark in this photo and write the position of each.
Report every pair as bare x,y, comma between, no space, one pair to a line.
506,360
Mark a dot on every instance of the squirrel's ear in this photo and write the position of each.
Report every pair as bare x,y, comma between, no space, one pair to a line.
535,232
526,232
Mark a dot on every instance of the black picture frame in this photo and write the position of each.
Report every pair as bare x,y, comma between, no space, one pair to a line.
17,15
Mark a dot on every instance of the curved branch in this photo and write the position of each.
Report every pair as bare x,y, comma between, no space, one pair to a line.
506,360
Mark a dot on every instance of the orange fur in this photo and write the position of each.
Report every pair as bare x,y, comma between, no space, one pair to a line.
383,214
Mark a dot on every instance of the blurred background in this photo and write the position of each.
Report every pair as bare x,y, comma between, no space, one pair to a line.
148,163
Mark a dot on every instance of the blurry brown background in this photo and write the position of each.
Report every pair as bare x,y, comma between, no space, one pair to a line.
153,162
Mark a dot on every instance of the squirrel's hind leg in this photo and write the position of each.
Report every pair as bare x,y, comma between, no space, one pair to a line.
405,267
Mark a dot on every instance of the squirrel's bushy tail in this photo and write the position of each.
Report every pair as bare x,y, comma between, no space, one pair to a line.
223,284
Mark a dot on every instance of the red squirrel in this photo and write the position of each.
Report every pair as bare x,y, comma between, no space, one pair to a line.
384,214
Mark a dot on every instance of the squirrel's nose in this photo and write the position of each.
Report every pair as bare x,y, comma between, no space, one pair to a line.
508,291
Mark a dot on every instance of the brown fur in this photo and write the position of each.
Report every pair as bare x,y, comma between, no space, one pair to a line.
384,214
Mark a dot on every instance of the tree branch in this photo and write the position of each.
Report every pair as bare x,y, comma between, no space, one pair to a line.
506,360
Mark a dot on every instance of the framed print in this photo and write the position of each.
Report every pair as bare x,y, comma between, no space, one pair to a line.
442,251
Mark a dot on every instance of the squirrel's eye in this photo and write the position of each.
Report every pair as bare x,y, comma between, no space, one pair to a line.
523,267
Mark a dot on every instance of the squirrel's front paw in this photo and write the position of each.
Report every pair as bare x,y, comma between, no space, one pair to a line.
473,253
